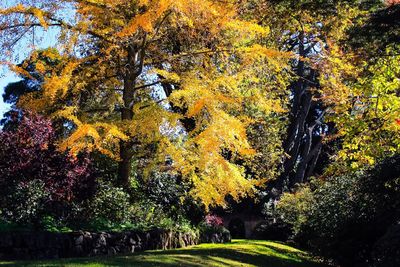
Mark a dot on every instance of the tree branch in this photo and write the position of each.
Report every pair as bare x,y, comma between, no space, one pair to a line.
147,85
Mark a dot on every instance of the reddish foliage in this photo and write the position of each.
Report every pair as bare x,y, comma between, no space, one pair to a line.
28,153
214,220
392,2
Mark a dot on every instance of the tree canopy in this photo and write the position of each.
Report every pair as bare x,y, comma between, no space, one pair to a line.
226,94
173,76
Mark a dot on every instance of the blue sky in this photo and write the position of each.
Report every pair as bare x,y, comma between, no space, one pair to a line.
43,39
6,76
3,82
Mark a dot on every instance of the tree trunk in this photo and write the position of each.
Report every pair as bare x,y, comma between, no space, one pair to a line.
125,147
135,65
302,145
124,165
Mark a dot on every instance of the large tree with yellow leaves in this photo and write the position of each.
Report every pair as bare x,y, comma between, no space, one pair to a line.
176,78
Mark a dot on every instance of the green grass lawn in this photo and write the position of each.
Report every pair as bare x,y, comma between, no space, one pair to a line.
237,253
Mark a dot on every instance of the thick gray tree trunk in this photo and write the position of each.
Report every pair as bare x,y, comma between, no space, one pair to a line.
302,145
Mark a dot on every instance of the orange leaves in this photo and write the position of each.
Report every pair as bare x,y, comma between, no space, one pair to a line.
200,49
243,31
203,17
392,2
33,102
145,21
68,113
19,70
21,9
197,107
40,67
201,161
39,14
218,100
152,116
222,179
224,131
58,85
103,137
267,52
214,100
167,76
51,54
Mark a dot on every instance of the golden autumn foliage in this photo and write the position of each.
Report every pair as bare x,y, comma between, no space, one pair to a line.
132,71
226,94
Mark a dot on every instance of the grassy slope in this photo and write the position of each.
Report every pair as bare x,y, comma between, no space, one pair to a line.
237,253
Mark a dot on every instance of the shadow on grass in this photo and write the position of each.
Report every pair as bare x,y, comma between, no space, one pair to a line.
237,253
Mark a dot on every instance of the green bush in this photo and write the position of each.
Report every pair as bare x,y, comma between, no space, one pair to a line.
344,217
25,202
214,233
110,204
6,226
294,209
168,194
50,224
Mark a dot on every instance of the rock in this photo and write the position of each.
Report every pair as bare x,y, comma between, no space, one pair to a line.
79,240
111,251
101,241
45,245
132,241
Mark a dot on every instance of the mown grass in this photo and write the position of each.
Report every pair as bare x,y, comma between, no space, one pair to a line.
237,253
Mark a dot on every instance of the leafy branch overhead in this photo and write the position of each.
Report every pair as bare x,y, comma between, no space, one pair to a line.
229,95
129,70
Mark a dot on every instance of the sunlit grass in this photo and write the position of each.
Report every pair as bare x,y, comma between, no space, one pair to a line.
238,253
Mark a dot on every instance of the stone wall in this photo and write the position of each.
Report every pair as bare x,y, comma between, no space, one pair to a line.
44,245
216,235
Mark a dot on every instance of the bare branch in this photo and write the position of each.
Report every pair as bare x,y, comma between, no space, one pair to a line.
147,85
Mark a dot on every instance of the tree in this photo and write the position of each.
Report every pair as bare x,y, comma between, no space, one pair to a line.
373,34
320,77
118,62
31,81
29,157
369,130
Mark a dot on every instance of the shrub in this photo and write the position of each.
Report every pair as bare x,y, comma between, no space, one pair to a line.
26,202
214,234
213,220
158,197
294,209
35,177
345,217
110,204
272,230
212,230
168,194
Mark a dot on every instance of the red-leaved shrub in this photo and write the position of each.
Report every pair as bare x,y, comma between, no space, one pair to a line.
28,153
214,220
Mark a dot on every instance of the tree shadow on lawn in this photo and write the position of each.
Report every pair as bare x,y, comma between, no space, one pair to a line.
233,254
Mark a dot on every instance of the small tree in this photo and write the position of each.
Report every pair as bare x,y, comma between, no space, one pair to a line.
28,156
